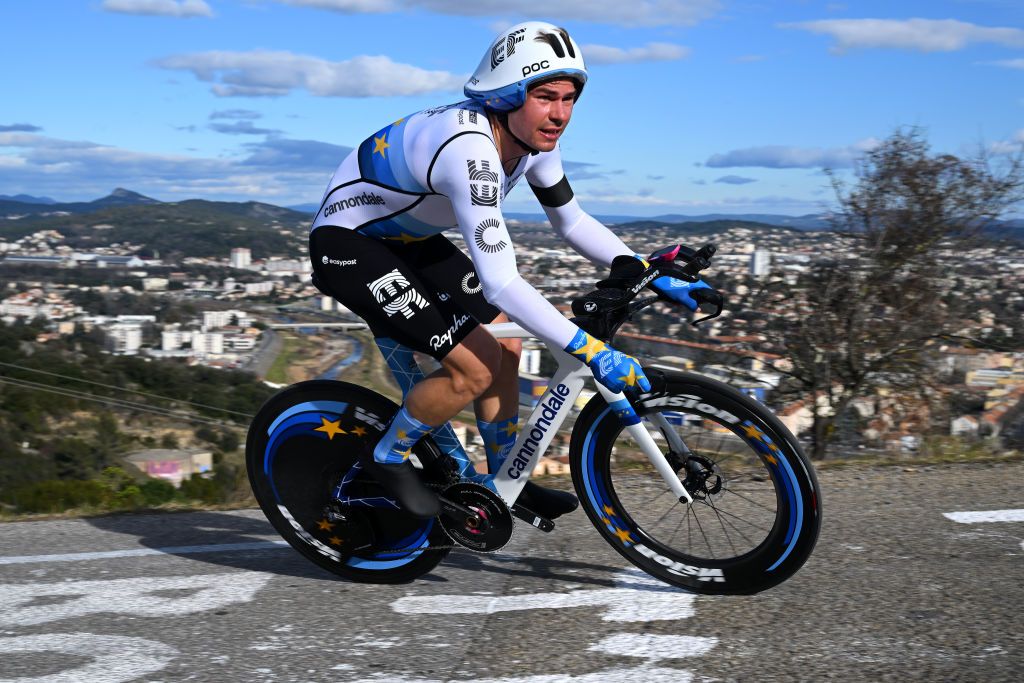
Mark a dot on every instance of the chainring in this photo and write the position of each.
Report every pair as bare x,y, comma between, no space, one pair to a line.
490,529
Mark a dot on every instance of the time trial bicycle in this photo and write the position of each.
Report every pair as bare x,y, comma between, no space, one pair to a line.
694,482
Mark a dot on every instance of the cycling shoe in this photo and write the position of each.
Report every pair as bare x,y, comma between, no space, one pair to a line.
549,503
402,482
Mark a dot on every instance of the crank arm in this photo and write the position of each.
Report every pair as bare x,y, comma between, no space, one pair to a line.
533,519
453,510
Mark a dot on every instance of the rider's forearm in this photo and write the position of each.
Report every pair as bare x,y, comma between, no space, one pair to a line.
584,233
525,305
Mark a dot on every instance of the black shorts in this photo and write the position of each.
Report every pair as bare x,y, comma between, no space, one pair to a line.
423,294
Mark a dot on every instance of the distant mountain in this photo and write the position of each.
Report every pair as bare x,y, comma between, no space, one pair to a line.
305,208
119,197
27,199
808,222
193,227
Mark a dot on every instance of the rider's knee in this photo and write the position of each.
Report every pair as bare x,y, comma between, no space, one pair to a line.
512,348
475,363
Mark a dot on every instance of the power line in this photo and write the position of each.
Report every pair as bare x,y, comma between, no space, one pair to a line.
129,405
117,388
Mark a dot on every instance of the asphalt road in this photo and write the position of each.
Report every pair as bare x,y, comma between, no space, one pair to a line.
899,589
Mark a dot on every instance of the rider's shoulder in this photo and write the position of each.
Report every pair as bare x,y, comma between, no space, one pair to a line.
449,120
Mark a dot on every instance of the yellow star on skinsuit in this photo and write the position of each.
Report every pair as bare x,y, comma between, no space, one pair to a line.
624,536
630,379
359,431
591,349
405,454
510,429
405,238
398,122
380,144
753,432
330,428
334,540
324,525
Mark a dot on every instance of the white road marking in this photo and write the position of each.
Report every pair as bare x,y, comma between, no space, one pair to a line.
981,516
115,659
654,647
640,674
142,552
138,597
640,598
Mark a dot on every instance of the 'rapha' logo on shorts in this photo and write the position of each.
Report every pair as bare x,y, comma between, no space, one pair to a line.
397,295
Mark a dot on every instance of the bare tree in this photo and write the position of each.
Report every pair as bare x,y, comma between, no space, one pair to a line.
869,315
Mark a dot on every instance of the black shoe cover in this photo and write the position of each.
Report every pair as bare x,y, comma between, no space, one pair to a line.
403,483
549,503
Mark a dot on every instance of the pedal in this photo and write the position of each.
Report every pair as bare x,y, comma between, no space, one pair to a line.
533,519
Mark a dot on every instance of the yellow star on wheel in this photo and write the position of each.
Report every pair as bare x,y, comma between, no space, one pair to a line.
630,379
330,428
510,429
324,525
359,431
624,535
591,349
772,459
753,432
334,540
380,144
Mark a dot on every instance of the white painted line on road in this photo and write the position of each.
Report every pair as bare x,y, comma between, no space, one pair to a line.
654,647
30,604
115,659
980,516
142,552
649,600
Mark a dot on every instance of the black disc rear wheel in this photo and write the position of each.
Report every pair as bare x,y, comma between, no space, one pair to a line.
300,445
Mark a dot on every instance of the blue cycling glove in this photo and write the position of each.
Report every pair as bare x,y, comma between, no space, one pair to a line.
675,289
614,369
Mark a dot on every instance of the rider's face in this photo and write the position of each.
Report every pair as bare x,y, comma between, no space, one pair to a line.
545,114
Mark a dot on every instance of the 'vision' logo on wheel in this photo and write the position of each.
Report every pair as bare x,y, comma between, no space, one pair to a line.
488,236
397,295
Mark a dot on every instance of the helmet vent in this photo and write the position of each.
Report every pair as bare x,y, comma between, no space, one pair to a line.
552,40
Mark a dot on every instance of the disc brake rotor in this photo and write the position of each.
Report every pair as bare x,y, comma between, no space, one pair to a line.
488,529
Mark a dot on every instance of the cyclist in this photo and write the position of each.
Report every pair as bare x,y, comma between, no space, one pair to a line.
376,246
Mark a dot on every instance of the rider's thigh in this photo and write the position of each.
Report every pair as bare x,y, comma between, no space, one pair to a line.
474,362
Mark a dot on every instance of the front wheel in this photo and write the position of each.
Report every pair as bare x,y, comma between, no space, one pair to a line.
757,507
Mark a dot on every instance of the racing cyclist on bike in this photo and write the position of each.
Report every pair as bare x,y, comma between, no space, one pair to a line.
377,246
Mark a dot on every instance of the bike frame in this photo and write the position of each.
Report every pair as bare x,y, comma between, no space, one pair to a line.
544,422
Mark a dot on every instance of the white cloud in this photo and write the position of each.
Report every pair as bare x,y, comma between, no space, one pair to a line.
293,170
782,156
1008,63
925,35
160,8
264,73
638,13
652,52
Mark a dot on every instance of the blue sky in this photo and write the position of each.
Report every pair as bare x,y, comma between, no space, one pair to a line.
693,106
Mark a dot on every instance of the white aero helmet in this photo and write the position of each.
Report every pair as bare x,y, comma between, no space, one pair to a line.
524,54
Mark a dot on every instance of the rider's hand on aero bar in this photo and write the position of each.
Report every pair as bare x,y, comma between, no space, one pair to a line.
672,288
615,370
